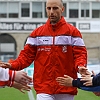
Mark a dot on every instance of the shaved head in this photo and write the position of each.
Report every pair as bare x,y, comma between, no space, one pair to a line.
59,1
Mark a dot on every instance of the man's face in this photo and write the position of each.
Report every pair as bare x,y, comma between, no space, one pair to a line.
54,10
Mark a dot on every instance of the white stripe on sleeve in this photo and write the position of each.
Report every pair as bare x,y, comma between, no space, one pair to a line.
4,74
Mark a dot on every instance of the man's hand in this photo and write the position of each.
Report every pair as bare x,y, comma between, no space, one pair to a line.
22,78
65,81
21,87
5,65
82,70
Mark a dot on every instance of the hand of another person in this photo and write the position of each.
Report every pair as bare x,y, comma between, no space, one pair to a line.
22,77
21,87
87,78
97,93
66,80
5,65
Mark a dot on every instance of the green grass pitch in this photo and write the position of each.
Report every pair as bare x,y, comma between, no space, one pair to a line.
14,94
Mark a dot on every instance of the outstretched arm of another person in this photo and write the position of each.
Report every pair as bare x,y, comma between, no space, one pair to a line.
7,77
91,81
21,87
18,76
69,81
87,80
95,81
22,77
65,81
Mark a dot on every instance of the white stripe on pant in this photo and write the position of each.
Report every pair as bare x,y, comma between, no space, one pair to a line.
43,96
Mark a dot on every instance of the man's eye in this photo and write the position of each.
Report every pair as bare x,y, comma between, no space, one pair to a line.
49,8
55,8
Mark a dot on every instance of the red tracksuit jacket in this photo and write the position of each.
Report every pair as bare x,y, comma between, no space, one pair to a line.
56,50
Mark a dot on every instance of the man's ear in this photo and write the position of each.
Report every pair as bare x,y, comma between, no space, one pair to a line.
63,8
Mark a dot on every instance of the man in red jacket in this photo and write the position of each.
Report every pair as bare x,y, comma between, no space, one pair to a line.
57,49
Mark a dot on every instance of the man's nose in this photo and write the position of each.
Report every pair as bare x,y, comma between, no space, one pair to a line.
51,10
